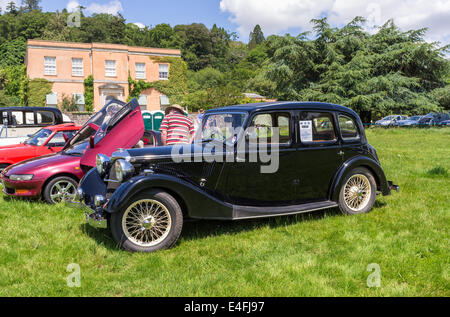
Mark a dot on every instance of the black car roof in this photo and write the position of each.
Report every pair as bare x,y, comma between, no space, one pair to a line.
282,105
51,109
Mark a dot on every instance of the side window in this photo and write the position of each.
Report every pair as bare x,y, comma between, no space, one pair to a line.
349,130
265,126
29,118
58,139
16,118
45,118
283,121
316,127
4,117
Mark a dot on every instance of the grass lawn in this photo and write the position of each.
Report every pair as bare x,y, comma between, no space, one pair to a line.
317,254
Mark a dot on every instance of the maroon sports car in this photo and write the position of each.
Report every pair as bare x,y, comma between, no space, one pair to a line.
55,177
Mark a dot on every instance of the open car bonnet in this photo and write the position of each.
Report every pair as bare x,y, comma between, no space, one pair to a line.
117,125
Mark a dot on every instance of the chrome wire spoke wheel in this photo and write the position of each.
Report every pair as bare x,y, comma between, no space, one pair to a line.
62,191
357,192
146,222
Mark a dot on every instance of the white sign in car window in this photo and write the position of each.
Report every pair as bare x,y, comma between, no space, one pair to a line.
306,131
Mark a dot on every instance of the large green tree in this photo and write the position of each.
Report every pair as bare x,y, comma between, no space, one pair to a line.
384,73
30,5
256,37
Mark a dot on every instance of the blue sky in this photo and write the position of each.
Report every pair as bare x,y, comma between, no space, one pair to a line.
152,12
274,16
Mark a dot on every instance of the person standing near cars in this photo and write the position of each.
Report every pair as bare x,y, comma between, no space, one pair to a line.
176,128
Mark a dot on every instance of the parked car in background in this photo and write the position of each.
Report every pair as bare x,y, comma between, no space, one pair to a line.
390,120
45,141
433,119
324,160
54,177
444,123
411,121
17,123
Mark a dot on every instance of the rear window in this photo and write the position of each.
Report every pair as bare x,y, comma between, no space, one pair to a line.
349,130
316,127
45,117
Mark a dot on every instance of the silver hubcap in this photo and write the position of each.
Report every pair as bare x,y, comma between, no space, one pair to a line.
357,192
146,222
62,191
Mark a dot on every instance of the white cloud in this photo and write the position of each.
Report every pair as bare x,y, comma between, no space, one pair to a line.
72,6
277,16
112,7
140,25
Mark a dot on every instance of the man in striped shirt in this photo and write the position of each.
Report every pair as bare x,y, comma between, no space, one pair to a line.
176,127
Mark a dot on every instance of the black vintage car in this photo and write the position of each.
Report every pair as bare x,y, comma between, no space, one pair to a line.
248,161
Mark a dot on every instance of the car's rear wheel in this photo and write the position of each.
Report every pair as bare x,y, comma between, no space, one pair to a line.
60,189
358,192
151,221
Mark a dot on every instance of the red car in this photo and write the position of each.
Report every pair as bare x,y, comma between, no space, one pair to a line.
48,140
55,177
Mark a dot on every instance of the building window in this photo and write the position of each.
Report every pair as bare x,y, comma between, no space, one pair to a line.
164,100
49,65
163,71
77,67
142,100
78,98
110,68
52,99
140,71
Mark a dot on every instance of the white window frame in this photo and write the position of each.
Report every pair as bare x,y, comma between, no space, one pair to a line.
77,67
141,72
163,71
80,100
50,65
142,100
110,70
164,100
52,97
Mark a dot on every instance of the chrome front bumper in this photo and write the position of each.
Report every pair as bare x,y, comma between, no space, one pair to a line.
393,187
92,217
97,222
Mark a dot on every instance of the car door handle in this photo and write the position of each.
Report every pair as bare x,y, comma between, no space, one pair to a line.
341,153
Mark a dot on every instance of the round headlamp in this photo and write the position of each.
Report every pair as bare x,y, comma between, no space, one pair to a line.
124,170
102,163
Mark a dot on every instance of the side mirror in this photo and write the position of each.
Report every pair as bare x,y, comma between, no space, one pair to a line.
91,142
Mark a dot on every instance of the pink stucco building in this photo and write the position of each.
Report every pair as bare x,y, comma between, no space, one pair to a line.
66,65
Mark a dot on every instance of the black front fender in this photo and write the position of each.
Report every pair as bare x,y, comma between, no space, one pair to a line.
198,203
92,184
359,161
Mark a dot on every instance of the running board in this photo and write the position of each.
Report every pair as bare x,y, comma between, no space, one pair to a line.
249,212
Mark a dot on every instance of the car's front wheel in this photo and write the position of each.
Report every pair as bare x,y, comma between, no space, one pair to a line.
358,192
151,221
60,189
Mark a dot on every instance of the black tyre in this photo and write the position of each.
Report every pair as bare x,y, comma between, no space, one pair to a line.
152,221
60,189
358,192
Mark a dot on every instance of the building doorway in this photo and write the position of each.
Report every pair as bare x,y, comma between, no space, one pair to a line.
109,92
